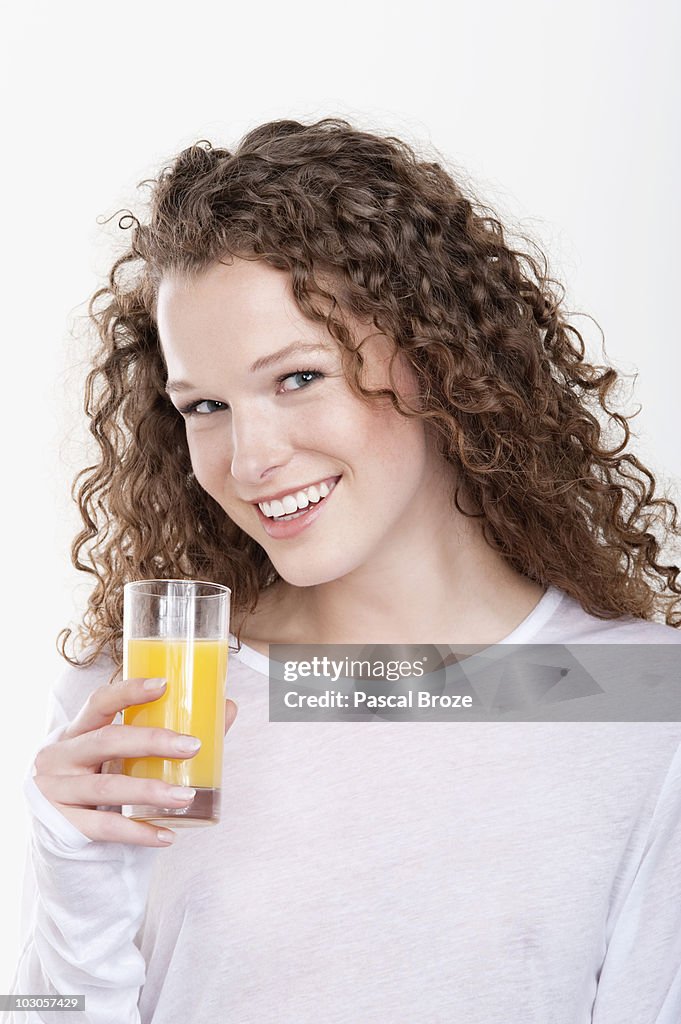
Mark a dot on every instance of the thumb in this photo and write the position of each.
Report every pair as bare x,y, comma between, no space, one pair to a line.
230,714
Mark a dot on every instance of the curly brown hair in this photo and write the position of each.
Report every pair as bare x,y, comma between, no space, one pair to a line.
513,403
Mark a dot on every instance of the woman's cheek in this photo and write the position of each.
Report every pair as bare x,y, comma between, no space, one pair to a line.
210,464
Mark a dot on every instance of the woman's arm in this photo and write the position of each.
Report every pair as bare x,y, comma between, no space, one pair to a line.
83,901
640,977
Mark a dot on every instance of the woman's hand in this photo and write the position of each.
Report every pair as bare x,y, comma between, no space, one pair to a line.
69,772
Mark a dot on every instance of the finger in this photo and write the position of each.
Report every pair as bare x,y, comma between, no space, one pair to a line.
82,753
83,791
112,827
230,714
104,703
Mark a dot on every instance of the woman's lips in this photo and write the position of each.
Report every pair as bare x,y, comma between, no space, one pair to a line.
292,527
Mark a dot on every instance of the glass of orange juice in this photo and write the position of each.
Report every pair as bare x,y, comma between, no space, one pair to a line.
179,630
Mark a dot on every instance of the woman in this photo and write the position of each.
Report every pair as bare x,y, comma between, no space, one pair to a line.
327,381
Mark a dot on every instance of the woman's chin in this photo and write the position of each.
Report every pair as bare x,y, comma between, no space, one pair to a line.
311,574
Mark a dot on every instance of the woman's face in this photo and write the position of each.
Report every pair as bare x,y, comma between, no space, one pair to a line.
262,424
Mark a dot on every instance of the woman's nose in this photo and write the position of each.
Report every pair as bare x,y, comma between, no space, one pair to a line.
258,445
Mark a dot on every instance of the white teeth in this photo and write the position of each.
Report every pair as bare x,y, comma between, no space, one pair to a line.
293,515
294,502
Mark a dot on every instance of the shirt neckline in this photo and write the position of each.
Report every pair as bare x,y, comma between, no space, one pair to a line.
529,627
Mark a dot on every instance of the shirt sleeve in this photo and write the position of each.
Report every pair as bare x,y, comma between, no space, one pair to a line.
83,903
640,977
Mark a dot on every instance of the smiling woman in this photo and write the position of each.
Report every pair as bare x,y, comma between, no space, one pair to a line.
361,481
326,380
487,432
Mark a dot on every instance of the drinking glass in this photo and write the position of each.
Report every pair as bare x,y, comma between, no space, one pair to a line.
179,630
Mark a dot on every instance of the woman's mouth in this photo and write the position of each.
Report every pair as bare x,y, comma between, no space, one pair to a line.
283,524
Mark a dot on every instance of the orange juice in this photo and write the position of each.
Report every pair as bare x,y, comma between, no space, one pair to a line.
192,703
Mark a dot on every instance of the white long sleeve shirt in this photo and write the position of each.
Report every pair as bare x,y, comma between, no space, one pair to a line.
372,872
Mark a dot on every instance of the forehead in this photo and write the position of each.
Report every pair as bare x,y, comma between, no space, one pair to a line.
244,295
233,315
231,322
228,318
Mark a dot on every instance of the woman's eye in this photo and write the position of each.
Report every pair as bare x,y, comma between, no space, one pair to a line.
195,407
302,378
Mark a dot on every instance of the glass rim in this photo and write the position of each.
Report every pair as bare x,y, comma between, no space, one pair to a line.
220,587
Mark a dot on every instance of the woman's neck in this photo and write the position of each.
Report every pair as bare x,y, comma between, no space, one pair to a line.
455,590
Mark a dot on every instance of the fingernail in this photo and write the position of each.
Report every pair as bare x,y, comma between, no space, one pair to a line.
182,792
188,743
154,684
166,837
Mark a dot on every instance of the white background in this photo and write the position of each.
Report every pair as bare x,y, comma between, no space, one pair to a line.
565,115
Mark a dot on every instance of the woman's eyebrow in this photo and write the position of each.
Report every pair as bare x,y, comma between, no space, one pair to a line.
293,349
296,347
